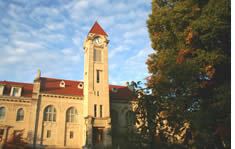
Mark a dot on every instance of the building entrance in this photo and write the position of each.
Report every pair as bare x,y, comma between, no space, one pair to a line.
98,135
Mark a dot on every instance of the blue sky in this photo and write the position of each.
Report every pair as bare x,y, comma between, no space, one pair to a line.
49,35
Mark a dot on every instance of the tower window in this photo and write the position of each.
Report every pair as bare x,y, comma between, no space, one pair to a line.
71,135
97,55
98,76
101,111
98,93
95,110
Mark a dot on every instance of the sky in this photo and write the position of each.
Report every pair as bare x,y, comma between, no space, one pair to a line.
49,35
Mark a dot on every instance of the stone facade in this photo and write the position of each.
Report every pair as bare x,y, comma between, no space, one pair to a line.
64,113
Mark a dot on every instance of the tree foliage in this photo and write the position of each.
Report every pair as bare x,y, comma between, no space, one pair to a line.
190,71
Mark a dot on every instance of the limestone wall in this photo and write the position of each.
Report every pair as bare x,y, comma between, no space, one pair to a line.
11,125
62,133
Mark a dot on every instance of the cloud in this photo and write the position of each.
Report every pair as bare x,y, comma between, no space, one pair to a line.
114,51
14,11
54,26
106,21
139,59
137,33
26,45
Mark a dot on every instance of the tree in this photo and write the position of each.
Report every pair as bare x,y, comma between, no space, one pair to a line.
190,73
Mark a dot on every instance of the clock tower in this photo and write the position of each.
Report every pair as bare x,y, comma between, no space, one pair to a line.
96,88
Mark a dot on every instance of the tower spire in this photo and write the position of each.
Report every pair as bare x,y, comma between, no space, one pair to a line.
97,29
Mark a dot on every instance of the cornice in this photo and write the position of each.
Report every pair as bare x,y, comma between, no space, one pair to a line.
16,99
62,96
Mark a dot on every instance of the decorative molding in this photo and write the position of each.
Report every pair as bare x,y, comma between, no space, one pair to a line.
98,46
15,99
61,96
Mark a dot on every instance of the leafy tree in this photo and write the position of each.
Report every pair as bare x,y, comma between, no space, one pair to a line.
190,80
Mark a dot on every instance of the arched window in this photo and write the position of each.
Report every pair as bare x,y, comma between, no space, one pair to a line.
2,113
50,114
20,115
72,115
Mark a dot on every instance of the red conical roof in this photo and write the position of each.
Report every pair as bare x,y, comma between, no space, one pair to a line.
97,29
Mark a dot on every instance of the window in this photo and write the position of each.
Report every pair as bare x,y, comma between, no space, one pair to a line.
101,112
1,134
18,133
71,115
98,76
1,131
48,133
1,89
20,115
71,134
2,113
15,92
97,55
98,93
95,110
50,114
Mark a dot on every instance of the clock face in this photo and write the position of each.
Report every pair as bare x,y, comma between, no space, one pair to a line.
98,41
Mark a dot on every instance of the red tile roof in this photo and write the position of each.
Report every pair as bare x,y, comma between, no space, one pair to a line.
97,29
26,92
52,86
123,92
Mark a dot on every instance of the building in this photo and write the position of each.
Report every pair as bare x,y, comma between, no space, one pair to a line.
63,113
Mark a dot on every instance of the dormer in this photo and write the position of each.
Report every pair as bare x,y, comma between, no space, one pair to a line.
16,91
114,89
2,87
80,85
62,84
